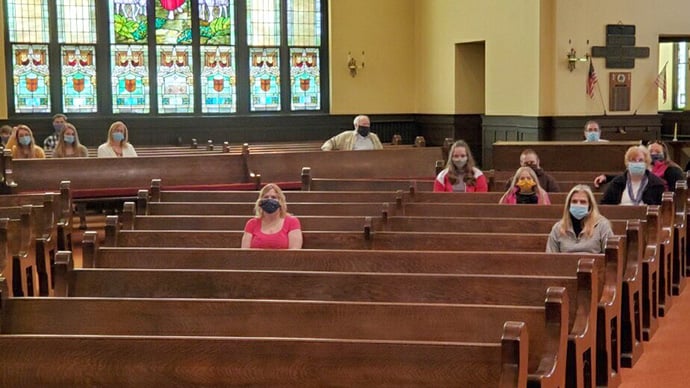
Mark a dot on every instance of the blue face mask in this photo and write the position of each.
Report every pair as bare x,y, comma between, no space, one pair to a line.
592,136
269,205
69,139
637,168
58,127
118,136
25,140
579,211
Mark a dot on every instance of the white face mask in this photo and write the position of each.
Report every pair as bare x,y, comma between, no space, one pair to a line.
460,162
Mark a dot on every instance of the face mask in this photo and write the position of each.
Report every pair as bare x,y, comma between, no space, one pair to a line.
269,205
460,162
5,139
118,136
592,136
58,127
579,211
657,157
637,168
526,184
25,140
363,131
69,139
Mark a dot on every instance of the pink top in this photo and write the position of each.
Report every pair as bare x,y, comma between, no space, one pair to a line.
271,241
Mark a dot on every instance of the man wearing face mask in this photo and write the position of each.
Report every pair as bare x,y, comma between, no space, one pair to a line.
361,138
50,142
529,158
593,132
637,185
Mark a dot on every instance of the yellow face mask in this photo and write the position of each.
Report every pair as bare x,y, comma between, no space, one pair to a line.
526,184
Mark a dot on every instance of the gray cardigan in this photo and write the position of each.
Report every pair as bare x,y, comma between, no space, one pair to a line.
571,243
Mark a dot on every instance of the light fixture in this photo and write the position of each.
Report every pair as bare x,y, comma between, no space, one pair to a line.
352,65
573,58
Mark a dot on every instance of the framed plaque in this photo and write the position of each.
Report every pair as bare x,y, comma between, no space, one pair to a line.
619,91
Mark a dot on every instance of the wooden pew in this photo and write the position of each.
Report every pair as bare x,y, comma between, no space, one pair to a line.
302,319
241,362
333,281
563,155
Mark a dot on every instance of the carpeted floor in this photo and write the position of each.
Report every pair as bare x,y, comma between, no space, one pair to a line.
665,362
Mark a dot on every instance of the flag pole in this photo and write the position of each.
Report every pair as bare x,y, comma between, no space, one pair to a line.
649,90
601,98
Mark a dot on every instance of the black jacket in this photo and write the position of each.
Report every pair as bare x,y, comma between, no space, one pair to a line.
650,196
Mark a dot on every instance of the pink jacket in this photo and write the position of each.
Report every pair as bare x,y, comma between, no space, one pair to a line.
441,183
511,198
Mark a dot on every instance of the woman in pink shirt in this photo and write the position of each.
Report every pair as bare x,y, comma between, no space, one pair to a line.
272,227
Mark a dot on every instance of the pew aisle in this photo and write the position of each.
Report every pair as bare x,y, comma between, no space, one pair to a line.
666,357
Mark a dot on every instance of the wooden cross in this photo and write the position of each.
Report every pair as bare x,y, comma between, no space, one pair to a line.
620,51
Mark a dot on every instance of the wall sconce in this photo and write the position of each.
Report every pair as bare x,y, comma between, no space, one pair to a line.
352,65
573,58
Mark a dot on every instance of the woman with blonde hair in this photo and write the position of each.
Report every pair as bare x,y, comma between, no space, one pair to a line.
25,145
460,174
582,228
637,185
117,144
68,145
272,227
525,189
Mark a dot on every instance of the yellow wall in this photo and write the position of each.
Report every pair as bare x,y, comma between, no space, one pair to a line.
384,30
3,80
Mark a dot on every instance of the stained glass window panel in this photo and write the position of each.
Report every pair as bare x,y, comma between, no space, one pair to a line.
31,78
79,79
27,21
217,22
174,21
304,22
218,93
76,21
263,22
305,79
128,22
130,79
175,79
264,79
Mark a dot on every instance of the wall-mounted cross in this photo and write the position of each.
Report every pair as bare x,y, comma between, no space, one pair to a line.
620,51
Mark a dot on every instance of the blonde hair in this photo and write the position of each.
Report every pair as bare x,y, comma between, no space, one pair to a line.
60,146
259,212
114,126
634,149
467,171
590,220
516,177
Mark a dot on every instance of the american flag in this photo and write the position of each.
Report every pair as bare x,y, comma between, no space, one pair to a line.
660,81
591,80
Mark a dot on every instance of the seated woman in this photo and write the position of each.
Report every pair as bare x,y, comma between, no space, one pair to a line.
525,189
272,227
24,144
637,185
582,228
117,144
68,145
662,166
460,174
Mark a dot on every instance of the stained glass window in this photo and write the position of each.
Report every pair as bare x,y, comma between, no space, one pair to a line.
193,63
128,22
173,22
263,22
31,75
217,22
28,21
264,79
218,80
175,79
76,21
79,79
130,79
